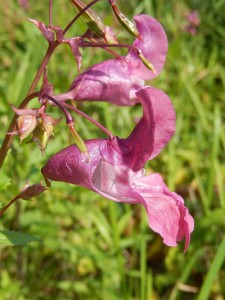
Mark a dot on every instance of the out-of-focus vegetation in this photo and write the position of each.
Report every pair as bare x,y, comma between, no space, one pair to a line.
91,248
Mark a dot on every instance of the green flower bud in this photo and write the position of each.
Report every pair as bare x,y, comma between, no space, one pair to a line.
78,141
41,136
146,62
44,131
124,21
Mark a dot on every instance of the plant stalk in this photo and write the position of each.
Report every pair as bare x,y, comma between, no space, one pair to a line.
30,95
105,130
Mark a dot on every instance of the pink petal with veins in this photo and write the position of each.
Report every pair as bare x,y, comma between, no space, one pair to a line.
150,135
109,81
117,80
166,212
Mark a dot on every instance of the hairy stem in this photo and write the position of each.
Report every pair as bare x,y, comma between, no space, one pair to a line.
105,130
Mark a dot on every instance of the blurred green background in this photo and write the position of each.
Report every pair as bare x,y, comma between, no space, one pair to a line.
91,248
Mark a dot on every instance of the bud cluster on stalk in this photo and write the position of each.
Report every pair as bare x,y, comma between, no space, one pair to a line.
37,123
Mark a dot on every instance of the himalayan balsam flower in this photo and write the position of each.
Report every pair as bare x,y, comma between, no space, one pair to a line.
115,169
193,21
117,80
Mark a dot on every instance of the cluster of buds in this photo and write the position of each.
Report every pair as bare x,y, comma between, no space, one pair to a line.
113,167
35,122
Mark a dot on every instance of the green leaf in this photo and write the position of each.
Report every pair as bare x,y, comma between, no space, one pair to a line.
213,271
14,238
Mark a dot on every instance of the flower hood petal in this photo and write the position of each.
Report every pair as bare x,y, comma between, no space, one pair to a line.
117,80
153,45
150,135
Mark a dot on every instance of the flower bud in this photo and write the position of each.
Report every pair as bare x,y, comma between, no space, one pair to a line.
31,191
127,24
42,136
25,126
44,131
90,18
146,62
78,141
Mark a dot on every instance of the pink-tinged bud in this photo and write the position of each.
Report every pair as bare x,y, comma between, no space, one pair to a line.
90,18
25,126
32,191
127,24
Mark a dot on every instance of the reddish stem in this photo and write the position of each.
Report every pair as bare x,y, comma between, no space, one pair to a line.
85,44
44,62
69,118
8,205
30,95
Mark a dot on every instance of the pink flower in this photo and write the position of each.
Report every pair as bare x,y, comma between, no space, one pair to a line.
117,80
115,169
193,21
193,18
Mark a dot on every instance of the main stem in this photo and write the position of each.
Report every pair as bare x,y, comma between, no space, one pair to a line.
30,95
8,205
